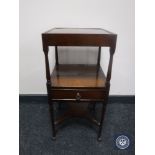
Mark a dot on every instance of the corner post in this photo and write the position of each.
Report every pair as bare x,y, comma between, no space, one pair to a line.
108,78
48,85
56,55
99,56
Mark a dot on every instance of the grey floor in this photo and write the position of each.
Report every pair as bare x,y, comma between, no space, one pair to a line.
76,136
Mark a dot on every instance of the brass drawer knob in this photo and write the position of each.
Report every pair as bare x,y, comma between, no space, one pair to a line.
78,96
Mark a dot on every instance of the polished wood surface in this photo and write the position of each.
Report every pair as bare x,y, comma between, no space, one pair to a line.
78,76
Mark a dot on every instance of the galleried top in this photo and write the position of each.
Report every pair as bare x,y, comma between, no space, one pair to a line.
78,31
78,37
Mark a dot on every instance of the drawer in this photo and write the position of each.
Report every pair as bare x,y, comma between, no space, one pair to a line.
78,94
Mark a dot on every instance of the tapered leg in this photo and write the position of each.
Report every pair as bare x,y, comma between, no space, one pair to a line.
52,119
101,122
51,110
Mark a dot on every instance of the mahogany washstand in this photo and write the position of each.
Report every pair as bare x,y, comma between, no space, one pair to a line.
78,83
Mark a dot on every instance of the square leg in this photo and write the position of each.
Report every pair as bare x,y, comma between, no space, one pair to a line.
52,120
101,121
51,111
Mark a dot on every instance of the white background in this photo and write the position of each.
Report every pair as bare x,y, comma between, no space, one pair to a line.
37,16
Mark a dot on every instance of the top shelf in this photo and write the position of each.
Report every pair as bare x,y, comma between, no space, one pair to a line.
78,31
78,37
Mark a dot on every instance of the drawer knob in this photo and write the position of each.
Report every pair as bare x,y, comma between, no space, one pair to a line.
78,96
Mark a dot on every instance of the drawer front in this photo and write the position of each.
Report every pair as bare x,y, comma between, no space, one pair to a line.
78,94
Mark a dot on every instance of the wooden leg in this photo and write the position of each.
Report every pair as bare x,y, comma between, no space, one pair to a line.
51,110
52,120
101,122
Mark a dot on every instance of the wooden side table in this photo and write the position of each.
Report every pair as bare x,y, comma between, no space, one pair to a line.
78,83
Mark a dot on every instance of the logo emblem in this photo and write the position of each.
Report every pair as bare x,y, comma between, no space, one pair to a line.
122,142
